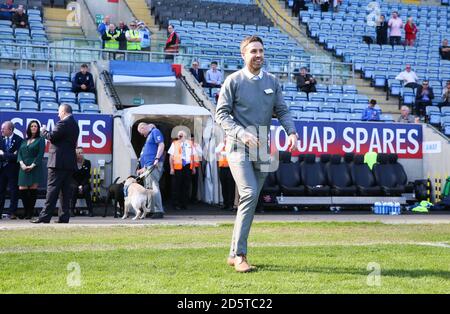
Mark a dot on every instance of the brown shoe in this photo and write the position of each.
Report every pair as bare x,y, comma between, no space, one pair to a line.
230,261
241,265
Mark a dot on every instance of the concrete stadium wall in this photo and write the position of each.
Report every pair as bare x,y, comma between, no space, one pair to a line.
87,21
118,11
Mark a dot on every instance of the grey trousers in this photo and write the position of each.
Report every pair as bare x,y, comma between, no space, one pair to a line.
152,182
249,181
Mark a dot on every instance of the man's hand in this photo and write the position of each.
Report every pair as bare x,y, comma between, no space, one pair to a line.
83,87
417,120
155,162
172,172
194,170
140,171
249,139
293,143
1,153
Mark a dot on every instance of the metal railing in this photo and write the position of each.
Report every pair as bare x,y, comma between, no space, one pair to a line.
52,56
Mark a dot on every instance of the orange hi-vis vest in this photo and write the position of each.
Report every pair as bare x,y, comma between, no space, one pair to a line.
223,161
196,156
178,156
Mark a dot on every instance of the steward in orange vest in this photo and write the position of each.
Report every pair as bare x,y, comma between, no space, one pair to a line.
226,178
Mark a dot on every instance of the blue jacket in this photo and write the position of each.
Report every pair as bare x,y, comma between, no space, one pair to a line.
370,114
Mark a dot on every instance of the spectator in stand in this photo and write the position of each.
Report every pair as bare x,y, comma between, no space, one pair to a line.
7,10
445,96
316,4
83,81
410,32
406,117
123,28
444,50
103,27
145,36
324,5
20,18
297,6
370,113
197,73
81,185
336,4
424,96
395,25
408,77
305,82
133,42
214,77
112,39
382,31
172,44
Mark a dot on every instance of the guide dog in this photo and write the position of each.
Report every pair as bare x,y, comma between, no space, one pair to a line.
137,197
115,194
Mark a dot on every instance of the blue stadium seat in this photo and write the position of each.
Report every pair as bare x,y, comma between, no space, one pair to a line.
445,111
44,85
328,107
335,89
290,87
333,97
386,118
89,108
354,117
317,97
361,99
24,84
358,108
307,115
321,88
28,106
408,96
66,97
24,74
7,74
339,116
7,105
348,99
343,107
7,95
89,98
311,107
47,96
7,83
429,110
61,76
49,106
63,86
43,75
349,89
26,95
322,116
435,119
300,96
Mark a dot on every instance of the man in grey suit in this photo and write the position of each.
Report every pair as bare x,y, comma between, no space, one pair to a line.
247,100
62,162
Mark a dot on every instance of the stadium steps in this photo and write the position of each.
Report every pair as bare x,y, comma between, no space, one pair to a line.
276,12
56,25
387,106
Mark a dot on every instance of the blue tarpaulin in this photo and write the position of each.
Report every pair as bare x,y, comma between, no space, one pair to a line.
142,73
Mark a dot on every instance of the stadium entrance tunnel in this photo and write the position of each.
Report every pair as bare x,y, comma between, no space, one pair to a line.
169,119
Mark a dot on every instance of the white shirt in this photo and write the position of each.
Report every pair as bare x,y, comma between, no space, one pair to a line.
252,76
407,77
186,150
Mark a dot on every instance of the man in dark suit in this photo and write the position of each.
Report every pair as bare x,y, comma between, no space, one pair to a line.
9,168
81,185
62,162
197,73
424,97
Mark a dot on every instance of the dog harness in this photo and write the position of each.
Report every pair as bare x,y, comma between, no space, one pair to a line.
125,190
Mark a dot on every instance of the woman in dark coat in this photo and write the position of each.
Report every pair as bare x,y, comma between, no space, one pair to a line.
30,157
382,31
